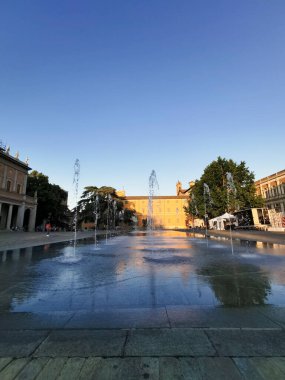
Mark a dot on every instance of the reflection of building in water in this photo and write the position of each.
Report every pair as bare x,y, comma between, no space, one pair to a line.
17,210
168,211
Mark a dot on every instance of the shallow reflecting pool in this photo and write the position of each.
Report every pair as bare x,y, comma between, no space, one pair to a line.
142,270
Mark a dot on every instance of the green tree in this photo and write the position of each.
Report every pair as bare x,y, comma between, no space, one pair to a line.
109,206
222,197
51,200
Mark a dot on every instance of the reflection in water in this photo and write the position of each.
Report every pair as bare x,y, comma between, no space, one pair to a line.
179,271
237,284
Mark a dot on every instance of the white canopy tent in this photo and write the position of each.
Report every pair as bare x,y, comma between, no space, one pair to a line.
220,222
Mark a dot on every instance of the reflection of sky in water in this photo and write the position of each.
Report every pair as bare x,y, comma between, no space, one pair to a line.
140,270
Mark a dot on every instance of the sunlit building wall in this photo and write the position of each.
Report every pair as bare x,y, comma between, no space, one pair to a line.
168,211
272,189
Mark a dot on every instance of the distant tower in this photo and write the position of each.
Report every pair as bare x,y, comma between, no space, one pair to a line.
178,187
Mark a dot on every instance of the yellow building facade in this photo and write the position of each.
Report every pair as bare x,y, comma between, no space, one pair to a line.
272,189
168,211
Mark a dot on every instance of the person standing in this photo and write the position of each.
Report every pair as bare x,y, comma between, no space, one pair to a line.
48,228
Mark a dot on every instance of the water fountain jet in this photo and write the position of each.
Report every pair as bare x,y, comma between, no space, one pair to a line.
76,182
96,214
231,189
207,199
153,185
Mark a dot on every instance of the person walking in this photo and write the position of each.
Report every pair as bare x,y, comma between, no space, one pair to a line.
48,228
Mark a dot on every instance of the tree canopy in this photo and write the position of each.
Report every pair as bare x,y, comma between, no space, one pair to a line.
51,199
222,195
107,205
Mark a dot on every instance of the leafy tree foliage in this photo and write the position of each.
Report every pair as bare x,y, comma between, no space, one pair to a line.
51,200
109,206
222,198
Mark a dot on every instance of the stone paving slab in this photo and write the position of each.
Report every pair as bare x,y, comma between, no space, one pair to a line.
13,368
120,368
261,368
20,343
52,369
120,318
163,368
83,343
248,342
15,240
81,368
71,369
32,321
4,362
276,314
168,342
219,317
32,369
198,368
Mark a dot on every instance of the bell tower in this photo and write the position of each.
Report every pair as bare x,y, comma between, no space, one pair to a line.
178,187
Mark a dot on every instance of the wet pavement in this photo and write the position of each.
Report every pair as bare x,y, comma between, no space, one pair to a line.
144,306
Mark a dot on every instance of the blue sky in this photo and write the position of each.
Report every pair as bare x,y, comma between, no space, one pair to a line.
128,86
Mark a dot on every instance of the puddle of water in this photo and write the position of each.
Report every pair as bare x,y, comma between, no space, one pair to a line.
177,269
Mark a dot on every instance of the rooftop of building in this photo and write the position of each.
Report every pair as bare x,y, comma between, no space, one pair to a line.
5,154
276,175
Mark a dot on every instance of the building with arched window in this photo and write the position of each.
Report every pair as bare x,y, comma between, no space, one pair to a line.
17,210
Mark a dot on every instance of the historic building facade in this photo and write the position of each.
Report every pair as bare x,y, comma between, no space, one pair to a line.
272,189
168,211
17,210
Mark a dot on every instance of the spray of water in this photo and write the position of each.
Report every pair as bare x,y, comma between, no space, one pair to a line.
96,215
207,201
109,200
231,190
114,214
153,186
76,182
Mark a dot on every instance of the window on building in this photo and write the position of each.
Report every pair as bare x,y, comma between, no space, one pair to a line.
8,185
18,188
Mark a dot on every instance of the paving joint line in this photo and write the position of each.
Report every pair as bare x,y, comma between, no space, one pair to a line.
125,344
270,319
212,344
35,349
169,322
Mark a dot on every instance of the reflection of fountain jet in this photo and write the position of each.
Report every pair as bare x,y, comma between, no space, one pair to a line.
237,284
152,286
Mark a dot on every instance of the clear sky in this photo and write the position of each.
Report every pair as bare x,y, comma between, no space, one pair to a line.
127,86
